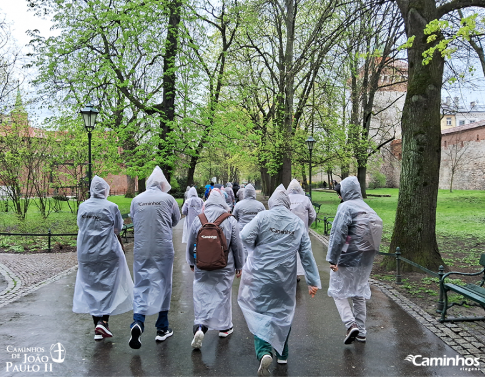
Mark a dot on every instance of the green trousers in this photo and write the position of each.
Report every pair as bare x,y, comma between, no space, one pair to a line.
264,348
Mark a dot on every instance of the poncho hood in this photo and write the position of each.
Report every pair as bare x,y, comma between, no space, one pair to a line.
249,192
99,188
350,189
295,188
279,198
157,180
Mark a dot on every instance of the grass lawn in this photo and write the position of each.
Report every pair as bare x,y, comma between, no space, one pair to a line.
460,223
63,221
460,215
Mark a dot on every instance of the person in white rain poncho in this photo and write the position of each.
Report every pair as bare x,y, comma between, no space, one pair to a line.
230,199
245,210
267,293
191,208
154,213
248,208
354,241
301,206
186,193
240,193
213,289
103,283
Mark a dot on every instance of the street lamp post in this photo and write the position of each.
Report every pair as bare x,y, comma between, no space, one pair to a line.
89,114
310,142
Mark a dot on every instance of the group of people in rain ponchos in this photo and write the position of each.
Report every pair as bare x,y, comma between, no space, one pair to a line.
265,249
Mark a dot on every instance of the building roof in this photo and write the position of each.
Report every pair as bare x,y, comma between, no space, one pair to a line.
465,127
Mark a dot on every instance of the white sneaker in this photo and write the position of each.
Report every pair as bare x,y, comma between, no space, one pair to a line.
282,361
98,336
198,338
266,361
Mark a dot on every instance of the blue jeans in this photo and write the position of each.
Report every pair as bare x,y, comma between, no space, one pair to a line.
161,324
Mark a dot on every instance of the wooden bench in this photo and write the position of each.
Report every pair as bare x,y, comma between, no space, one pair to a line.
473,292
126,227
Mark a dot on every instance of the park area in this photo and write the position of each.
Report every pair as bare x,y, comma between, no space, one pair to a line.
459,227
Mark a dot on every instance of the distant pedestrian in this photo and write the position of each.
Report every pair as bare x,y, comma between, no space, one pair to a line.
240,193
154,213
208,189
354,242
267,292
235,189
302,207
230,199
103,283
212,290
191,208
324,184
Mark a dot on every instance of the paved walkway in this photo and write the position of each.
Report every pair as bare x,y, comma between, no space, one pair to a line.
37,316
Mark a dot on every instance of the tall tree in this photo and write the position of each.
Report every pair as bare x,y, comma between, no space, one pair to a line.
117,49
415,226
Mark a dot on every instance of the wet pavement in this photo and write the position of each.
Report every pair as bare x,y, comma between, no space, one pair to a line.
39,321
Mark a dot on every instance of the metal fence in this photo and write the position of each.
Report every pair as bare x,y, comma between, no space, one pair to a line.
400,259
49,235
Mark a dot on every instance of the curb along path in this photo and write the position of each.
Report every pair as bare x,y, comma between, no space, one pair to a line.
25,273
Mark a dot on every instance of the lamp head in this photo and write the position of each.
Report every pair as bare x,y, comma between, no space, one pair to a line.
89,114
310,142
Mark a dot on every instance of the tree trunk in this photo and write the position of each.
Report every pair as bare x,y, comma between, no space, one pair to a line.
169,90
269,182
141,185
130,187
361,174
415,227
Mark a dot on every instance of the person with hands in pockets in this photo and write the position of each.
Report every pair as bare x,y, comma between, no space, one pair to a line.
354,241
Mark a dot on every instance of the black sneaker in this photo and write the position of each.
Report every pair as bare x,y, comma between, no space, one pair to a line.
360,338
135,339
352,333
103,329
163,334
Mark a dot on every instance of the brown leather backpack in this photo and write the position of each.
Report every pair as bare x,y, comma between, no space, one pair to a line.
212,250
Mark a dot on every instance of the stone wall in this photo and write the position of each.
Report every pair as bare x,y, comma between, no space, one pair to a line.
463,149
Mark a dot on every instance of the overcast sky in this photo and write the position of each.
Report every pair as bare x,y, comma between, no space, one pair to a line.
21,20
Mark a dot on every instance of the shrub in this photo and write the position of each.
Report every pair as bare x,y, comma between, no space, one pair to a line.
377,180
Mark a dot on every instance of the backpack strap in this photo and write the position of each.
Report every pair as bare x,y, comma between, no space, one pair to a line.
203,219
221,218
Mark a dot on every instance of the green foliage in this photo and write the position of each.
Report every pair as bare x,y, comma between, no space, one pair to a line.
437,28
378,180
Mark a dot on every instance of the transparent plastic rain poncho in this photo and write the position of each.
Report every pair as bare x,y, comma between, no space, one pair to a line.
213,289
248,208
267,293
154,213
301,206
240,193
230,198
186,193
191,208
103,282
356,219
